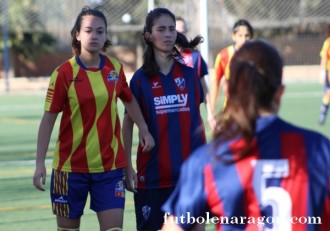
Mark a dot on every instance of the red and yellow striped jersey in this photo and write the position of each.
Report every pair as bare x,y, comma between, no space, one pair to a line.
222,61
90,138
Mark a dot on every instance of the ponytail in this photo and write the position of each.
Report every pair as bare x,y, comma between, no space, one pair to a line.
240,114
255,77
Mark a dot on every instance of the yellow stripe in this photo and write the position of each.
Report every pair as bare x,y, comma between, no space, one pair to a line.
51,87
99,89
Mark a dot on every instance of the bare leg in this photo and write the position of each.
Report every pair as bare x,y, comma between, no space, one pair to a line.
111,218
68,223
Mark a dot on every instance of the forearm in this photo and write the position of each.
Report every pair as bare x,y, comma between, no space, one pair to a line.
128,137
213,96
44,134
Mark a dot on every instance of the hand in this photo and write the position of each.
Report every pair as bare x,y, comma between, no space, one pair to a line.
131,179
39,178
212,122
146,140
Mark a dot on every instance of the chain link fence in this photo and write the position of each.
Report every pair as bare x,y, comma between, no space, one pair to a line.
296,27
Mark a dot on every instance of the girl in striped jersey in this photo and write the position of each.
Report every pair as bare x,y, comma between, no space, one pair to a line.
259,172
242,32
89,154
325,78
169,94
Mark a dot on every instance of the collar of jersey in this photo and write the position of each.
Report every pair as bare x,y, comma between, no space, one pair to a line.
102,63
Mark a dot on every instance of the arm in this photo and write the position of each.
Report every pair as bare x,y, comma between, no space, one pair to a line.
210,117
145,139
131,178
44,134
215,84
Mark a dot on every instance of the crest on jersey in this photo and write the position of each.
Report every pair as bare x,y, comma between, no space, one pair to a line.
120,189
146,210
112,76
180,82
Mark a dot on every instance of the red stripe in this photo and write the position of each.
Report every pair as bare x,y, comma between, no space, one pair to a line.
142,158
66,138
212,196
245,172
120,161
293,149
85,94
184,117
325,218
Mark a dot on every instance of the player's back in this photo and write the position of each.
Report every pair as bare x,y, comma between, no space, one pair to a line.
285,178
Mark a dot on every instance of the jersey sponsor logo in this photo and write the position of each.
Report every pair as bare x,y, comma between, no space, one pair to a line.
180,82
171,101
61,200
146,210
112,76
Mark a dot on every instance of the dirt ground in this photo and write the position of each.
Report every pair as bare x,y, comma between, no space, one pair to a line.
291,73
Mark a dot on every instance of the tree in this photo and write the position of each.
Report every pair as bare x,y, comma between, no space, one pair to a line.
27,34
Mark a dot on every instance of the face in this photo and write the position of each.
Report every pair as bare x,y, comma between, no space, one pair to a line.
181,26
92,34
163,34
241,36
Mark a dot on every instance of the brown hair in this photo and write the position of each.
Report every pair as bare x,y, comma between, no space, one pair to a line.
255,76
150,66
76,46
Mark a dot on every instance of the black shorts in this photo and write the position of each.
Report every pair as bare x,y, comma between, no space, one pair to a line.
148,203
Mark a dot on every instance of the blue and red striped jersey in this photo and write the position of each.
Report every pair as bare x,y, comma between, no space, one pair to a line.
282,184
170,106
193,58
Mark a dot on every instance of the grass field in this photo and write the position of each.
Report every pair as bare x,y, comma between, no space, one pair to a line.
22,207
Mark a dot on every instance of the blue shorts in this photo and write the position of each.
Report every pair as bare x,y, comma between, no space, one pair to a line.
69,191
148,203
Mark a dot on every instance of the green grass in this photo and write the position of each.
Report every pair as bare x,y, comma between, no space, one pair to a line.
22,207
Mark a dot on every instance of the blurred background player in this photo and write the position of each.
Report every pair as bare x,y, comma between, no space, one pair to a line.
169,94
193,58
325,77
242,32
258,166
89,155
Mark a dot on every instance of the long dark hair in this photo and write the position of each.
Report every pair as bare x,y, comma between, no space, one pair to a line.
150,66
243,22
76,46
255,76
